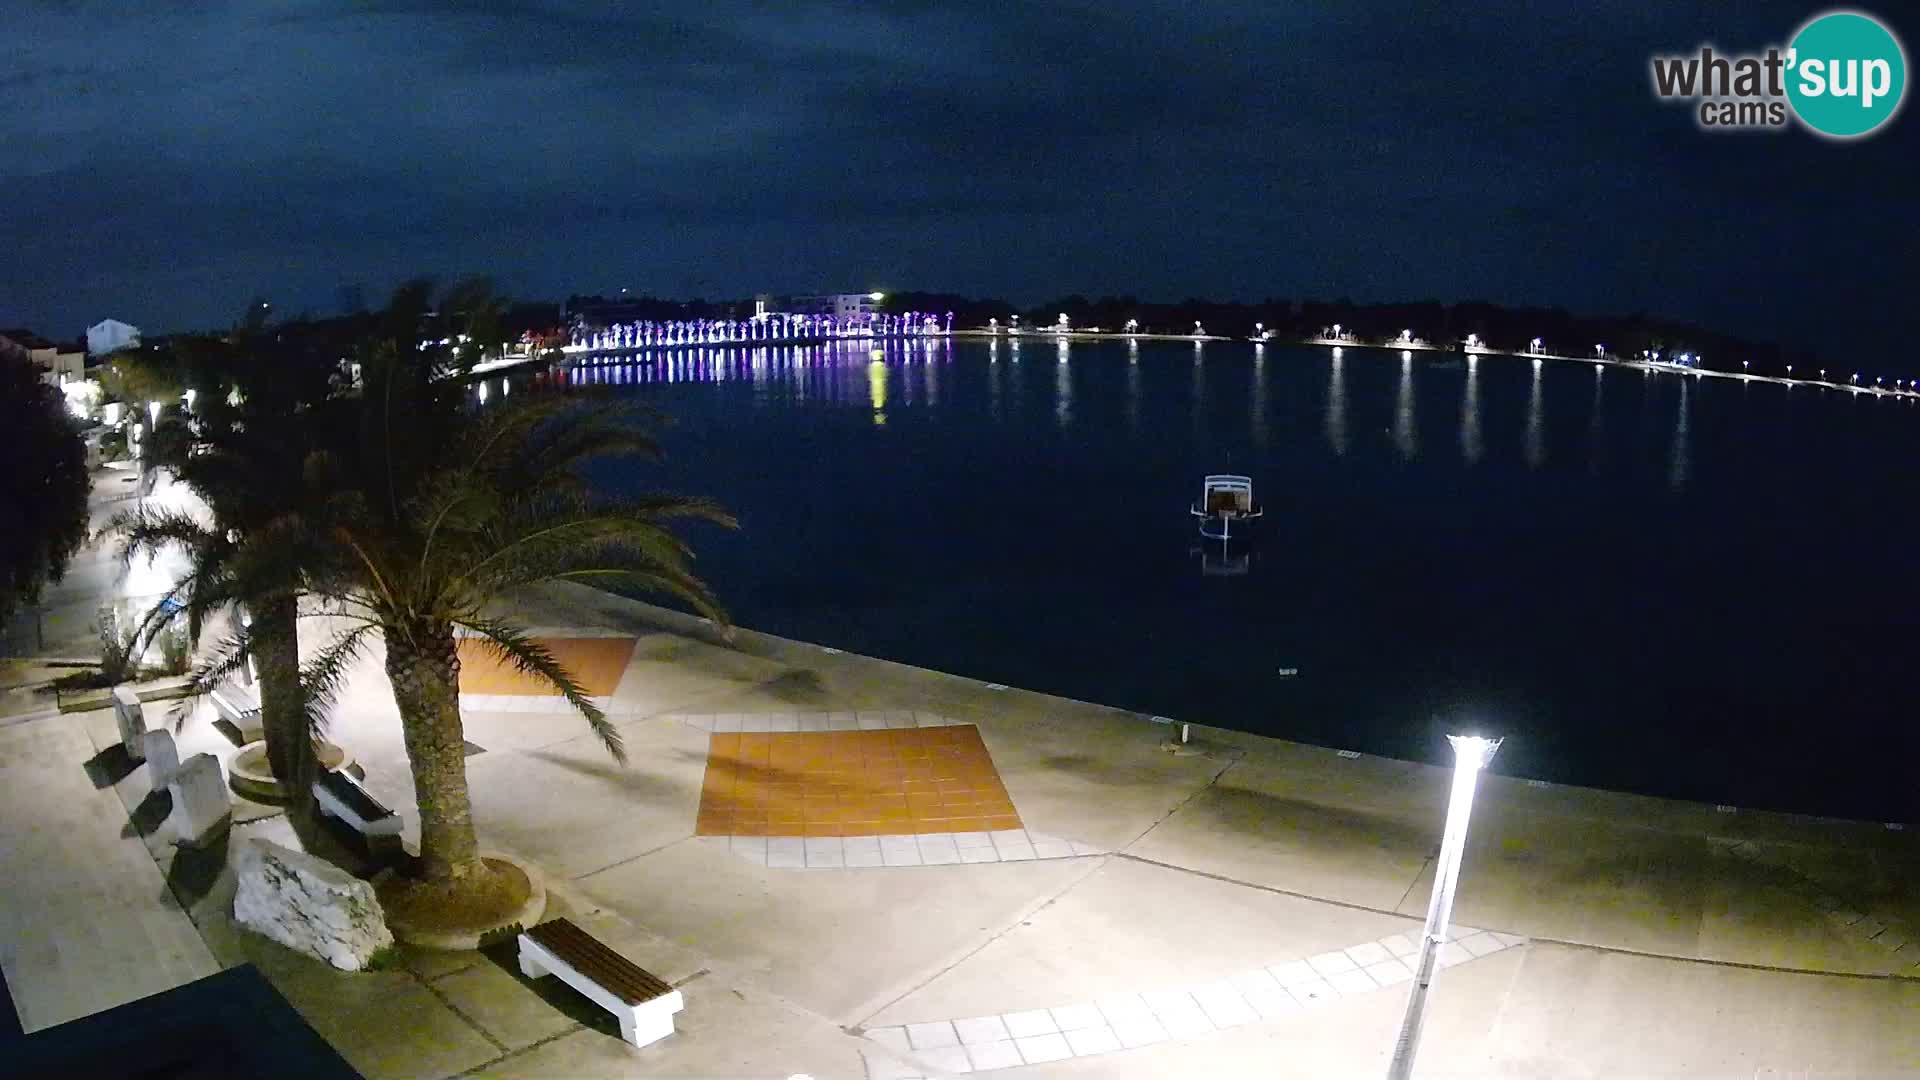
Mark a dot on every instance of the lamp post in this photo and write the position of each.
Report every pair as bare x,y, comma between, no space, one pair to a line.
1470,754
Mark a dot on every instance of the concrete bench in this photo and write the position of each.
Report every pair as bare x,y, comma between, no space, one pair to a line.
339,796
240,707
643,1004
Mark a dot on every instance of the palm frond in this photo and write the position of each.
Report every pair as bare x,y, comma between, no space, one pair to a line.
323,677
526,654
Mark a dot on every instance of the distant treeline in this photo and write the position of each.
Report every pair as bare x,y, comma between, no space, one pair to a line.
1561,332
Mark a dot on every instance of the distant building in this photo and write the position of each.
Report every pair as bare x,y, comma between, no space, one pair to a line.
845,307
59,364
111,335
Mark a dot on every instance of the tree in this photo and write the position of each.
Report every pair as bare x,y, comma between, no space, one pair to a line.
262,399
433,513
43,484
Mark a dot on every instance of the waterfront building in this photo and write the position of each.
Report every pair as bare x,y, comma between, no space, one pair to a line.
110,336
842,307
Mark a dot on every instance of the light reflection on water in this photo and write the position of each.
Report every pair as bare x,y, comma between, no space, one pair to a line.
1337,403
1471,447
1488,570
1405,438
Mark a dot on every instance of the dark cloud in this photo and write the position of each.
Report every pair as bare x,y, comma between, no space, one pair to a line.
165,167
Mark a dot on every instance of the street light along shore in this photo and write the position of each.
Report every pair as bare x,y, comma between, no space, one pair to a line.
1471,753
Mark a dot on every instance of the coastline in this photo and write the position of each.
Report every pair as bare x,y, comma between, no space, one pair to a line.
512,362
768,646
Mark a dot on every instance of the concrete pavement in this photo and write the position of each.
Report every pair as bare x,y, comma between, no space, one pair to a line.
1664,938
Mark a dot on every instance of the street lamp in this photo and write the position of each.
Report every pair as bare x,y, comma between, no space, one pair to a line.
1471,753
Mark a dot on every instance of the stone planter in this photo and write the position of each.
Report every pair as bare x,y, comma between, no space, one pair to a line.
468,938
252,777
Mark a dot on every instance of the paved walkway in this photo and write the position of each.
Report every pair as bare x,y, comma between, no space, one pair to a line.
1214,894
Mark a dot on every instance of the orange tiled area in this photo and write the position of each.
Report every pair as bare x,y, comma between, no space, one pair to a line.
597,662
852,783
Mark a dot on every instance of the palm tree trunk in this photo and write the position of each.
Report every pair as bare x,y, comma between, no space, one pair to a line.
283,702
425,671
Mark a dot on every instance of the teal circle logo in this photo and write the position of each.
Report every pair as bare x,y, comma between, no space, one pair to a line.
1846,74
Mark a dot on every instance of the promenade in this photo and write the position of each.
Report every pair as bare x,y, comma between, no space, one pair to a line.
1241,908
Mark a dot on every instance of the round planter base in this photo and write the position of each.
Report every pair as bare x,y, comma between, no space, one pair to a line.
250,775
433,934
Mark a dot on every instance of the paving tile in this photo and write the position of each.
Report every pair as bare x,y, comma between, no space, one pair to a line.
1040,1049
1509,940
725,724
1122,1009
1093,1040
947,1059
1079,1015
862,851
979,855
1271,1002
1389,971
753,847
1015,852
1294,972
1223,1004
1248,982
1456,931
1317,992
1030,1022
1053,849
994,1055
899,851
786,853
1329,963
825,852
755,724
937,849
1185,1023
1086,849
1481,944
931,1035
1009,836
1142,1031
1367,952
783,722
893,1038
1452,953
842,721
1401,944
1351,982
871,721
982,1029
882,1067
967,840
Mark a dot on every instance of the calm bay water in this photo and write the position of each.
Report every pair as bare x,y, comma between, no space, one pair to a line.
1694,587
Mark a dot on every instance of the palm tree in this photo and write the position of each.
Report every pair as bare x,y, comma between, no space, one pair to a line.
260,400
434,512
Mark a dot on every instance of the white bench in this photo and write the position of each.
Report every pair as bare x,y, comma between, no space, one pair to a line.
642,1003
339,796
239,706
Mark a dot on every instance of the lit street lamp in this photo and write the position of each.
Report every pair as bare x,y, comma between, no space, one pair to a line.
1471,753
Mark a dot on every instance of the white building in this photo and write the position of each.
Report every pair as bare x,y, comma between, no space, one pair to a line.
58,364
845,307
111,335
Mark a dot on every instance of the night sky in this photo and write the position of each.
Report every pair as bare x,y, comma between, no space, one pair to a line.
165,168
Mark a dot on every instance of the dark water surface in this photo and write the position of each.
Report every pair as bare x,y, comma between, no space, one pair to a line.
1693,587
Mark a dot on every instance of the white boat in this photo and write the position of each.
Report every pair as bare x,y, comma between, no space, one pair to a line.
1224,500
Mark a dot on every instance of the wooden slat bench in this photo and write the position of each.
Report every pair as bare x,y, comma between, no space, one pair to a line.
643,1003
239,706
340,797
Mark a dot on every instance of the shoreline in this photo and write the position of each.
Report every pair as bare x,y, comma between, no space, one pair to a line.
514,361
772,646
